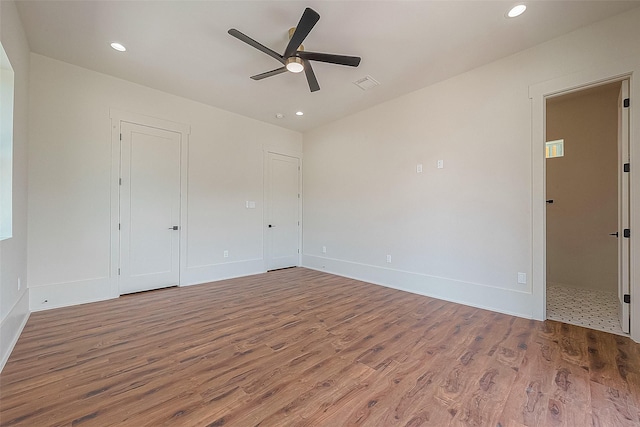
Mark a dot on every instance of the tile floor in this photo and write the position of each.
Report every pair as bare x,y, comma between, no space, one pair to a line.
584,307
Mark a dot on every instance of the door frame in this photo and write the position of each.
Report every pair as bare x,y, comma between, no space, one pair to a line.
622,201
117,117
538,93
265,203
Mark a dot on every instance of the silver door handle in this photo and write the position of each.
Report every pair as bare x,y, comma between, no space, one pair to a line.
175,227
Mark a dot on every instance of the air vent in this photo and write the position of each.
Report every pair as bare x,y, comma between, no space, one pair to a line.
366,83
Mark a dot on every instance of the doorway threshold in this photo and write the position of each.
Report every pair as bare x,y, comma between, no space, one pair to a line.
584,307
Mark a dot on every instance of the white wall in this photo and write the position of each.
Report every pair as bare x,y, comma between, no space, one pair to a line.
70,178
14,303
460,233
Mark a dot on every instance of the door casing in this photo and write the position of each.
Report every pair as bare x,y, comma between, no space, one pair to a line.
117,117
594,76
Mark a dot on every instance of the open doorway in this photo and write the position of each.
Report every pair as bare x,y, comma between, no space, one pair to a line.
585,199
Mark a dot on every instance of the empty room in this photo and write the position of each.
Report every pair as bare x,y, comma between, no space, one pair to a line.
323,213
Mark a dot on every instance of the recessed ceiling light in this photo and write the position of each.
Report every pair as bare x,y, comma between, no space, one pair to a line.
516,11
118,47
299,113
279,116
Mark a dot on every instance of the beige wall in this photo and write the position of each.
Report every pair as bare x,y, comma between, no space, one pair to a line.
583,185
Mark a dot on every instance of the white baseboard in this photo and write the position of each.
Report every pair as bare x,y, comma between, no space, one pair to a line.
12,325
215,272
57,295
507,301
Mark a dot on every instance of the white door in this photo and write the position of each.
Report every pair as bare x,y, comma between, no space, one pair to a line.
623,207
282,211
149,208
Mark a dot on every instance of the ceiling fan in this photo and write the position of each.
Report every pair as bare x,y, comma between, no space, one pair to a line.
295,58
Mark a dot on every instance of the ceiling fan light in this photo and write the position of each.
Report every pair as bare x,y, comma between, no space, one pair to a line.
294,64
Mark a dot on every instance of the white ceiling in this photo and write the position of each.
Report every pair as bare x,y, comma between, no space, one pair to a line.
182,47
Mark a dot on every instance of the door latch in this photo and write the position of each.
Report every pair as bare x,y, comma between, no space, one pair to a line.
175,227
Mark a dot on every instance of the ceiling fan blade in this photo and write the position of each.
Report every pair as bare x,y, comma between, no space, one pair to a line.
351,61
311,77
248,40
269,73
307,21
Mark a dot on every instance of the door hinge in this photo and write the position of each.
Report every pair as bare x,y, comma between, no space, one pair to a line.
298,250
298,223
120,137
298,195
120,181
627,167
118,272
627,298
625,103
118,226
627,232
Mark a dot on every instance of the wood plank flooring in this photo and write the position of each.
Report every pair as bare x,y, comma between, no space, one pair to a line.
303,348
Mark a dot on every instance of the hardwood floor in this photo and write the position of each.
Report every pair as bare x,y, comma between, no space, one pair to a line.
303,348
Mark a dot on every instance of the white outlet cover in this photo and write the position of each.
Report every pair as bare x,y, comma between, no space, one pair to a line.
226,254
522,278
324,249
419,168
440,164
388,258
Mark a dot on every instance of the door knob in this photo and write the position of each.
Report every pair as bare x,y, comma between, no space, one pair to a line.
175,227
550,201
614,234
271,226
